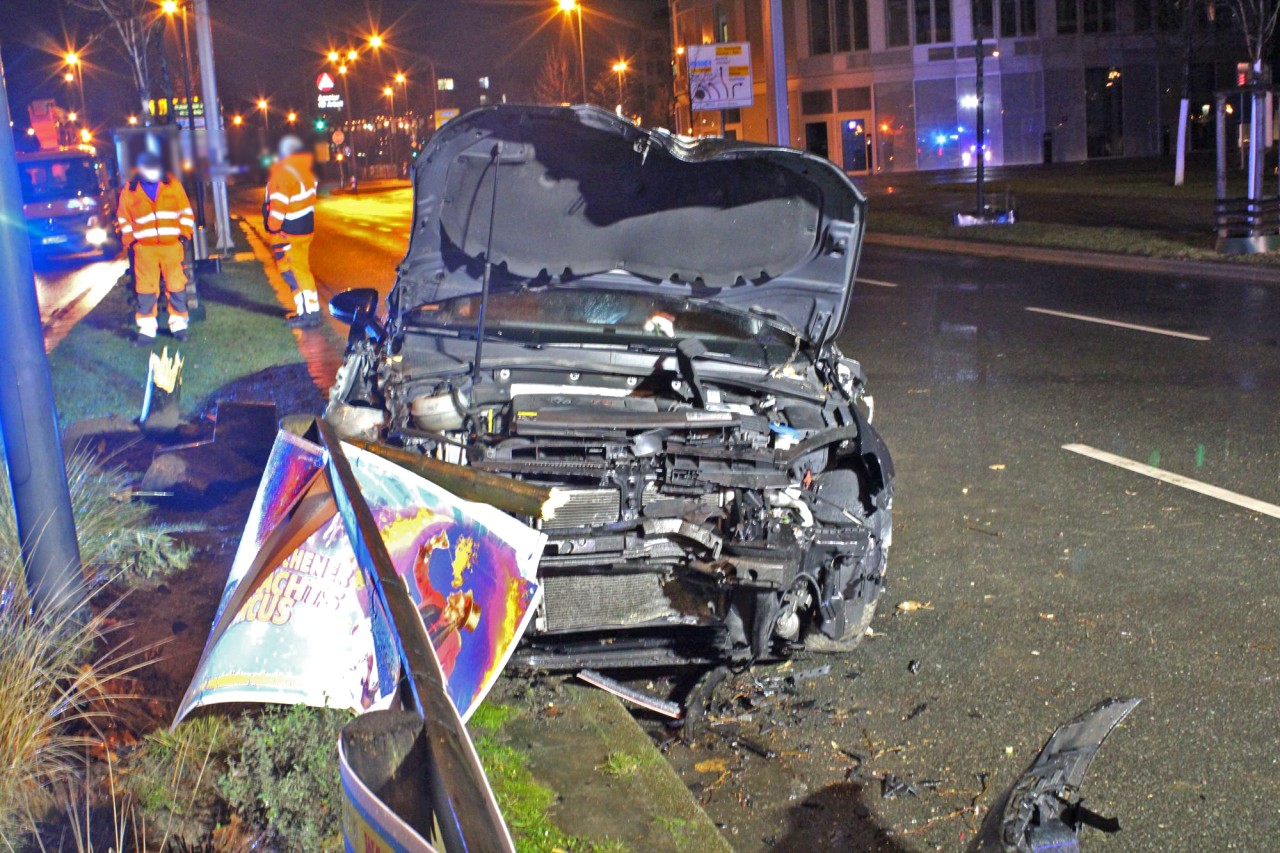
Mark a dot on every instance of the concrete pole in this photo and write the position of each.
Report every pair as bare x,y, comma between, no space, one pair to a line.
32,444
215,136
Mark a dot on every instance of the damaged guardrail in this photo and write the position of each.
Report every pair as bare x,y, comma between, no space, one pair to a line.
364,584
389,755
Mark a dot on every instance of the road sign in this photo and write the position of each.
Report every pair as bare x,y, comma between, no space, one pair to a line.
324,82
720,75
338,137
330,101
444,115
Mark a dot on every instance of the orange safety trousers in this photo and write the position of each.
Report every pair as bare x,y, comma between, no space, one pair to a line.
150,265
292,254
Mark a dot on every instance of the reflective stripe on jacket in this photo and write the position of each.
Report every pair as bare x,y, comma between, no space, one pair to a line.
291,196
162,222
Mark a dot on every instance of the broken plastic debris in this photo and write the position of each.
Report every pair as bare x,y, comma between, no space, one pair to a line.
712,765
631,694
910,606
999,466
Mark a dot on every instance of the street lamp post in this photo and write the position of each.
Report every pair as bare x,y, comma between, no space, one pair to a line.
266,118
569,7
402,79
621,68
390,94
171,7
76,74
980,122
351,127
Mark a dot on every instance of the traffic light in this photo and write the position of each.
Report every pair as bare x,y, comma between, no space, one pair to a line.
320,124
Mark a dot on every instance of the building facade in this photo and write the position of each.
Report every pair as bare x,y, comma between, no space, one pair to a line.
890,85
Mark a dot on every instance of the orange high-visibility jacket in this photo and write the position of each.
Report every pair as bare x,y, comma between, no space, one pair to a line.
162,222
291,196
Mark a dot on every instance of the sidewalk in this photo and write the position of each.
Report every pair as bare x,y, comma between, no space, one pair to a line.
373,186
1118,207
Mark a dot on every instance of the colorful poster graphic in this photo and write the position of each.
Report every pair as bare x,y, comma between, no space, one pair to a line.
303,631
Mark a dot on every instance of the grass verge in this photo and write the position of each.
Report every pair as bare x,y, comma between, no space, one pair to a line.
97,371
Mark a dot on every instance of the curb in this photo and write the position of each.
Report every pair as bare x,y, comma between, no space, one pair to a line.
646,808
1096,260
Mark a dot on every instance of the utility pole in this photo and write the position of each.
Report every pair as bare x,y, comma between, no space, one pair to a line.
214,134
32,443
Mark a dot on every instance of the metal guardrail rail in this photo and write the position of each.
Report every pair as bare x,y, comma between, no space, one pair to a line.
463,810
1243,217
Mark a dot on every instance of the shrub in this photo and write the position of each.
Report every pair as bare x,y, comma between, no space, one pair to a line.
285,777
172,780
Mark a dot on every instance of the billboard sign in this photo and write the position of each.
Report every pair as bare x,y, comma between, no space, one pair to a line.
720,75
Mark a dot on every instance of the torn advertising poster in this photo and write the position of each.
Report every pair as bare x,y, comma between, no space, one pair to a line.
295,624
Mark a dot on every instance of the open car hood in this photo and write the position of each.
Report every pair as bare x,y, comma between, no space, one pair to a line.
583,194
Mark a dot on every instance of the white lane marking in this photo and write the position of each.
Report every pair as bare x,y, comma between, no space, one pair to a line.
1252,504
1119,325
876,282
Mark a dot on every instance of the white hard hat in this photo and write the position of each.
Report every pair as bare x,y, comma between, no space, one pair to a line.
290,145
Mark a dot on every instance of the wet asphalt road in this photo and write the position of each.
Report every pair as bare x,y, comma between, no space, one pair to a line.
68,288
1052,580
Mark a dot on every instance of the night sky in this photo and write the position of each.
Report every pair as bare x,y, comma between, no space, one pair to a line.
276,47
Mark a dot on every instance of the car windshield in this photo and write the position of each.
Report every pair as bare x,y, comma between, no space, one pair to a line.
54,180
583,316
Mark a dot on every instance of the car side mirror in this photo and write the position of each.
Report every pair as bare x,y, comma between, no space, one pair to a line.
348,306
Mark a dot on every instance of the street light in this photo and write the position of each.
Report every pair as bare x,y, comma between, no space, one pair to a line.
621,68
75,73
352,55
569,7
292,117
237,119
333,56
375,41
133,121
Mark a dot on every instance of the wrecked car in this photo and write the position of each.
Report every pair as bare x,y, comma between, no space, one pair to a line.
646,324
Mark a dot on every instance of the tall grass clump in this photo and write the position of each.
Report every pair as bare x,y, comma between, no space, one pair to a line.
48,697
116,534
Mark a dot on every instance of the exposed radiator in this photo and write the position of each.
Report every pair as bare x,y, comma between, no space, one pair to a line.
597,601
587,508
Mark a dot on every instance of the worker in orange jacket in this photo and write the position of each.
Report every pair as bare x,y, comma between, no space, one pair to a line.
154,217
289,214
